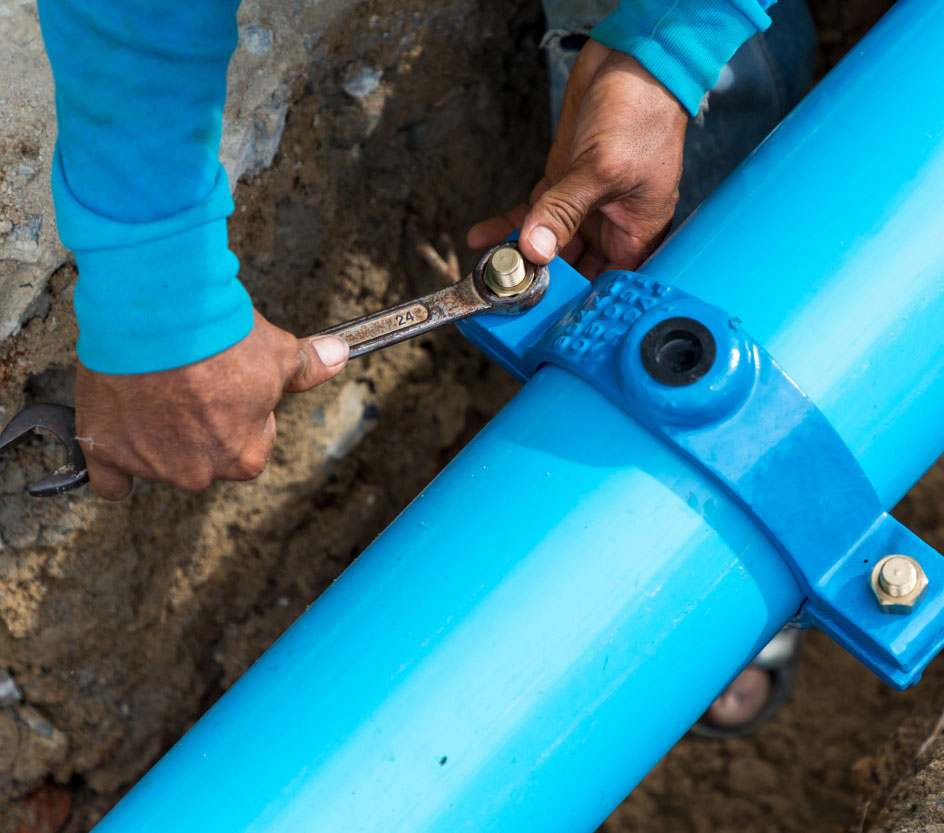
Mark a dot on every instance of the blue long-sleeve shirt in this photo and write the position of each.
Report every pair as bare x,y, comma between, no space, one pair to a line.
683,43
141,197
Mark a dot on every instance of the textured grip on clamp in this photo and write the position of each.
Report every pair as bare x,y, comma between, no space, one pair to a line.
746,423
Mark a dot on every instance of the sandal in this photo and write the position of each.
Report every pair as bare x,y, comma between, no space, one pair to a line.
757,693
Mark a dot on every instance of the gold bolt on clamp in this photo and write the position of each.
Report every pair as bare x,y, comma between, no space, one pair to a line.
898,583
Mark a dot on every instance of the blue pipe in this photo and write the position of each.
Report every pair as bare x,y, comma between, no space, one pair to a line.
540,625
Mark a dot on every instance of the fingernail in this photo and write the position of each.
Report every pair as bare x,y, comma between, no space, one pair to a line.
544,242
331,350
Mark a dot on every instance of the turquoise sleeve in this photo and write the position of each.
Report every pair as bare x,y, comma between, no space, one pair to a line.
683,43
140,195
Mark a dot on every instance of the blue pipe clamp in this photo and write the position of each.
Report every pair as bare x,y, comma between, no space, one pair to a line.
689,372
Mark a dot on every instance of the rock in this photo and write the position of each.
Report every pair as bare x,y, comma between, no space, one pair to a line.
10,693
364,83
9,742
256,39
268,120
29,231
42,746
45,811
351,417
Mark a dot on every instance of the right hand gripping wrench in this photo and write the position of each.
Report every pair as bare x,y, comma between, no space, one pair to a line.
503,282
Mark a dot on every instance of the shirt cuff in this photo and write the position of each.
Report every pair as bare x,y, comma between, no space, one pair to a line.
156,295
684,44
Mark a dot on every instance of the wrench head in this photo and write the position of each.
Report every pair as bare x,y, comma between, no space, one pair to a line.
59,421
515,304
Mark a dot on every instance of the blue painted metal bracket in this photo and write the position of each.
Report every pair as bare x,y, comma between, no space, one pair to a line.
751,427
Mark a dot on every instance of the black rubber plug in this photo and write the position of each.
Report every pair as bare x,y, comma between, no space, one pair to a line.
678,351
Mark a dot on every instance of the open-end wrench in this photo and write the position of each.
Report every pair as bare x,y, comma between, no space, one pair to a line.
58,421
503,282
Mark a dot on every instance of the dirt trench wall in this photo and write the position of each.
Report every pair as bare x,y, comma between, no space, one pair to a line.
120,624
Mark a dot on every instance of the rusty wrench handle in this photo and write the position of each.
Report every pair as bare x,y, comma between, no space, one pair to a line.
403,321
471,295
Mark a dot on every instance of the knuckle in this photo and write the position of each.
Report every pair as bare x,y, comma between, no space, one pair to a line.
230,448
251,465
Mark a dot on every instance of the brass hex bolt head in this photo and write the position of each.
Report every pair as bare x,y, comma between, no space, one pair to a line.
507,272
898,583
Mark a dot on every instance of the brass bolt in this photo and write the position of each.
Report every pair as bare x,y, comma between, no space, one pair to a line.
507,272
898,583
898,576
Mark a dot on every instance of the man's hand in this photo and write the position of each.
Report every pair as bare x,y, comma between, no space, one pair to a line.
612,173
212,420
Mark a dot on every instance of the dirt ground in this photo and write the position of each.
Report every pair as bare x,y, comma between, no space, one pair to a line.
122,624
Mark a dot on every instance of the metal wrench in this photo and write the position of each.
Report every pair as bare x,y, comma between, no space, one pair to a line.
59,421
503,282
486,289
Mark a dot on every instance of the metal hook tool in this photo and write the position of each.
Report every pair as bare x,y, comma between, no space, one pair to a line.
59,421
503,282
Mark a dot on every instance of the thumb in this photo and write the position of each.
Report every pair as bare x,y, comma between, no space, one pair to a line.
557,214
318,360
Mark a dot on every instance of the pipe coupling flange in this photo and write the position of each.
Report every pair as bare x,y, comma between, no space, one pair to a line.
898,583
688,371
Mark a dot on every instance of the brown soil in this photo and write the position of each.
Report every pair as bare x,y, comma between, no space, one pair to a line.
122,623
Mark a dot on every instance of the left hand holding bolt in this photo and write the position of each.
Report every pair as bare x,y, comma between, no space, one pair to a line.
611,181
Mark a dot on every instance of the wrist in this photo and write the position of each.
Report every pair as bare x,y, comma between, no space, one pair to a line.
684,47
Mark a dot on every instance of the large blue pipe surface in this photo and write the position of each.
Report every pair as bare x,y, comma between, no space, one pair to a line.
539,627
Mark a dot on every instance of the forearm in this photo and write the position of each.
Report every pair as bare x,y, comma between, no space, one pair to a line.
683,43
140,195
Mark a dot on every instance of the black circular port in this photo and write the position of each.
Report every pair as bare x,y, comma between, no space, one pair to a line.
678,351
